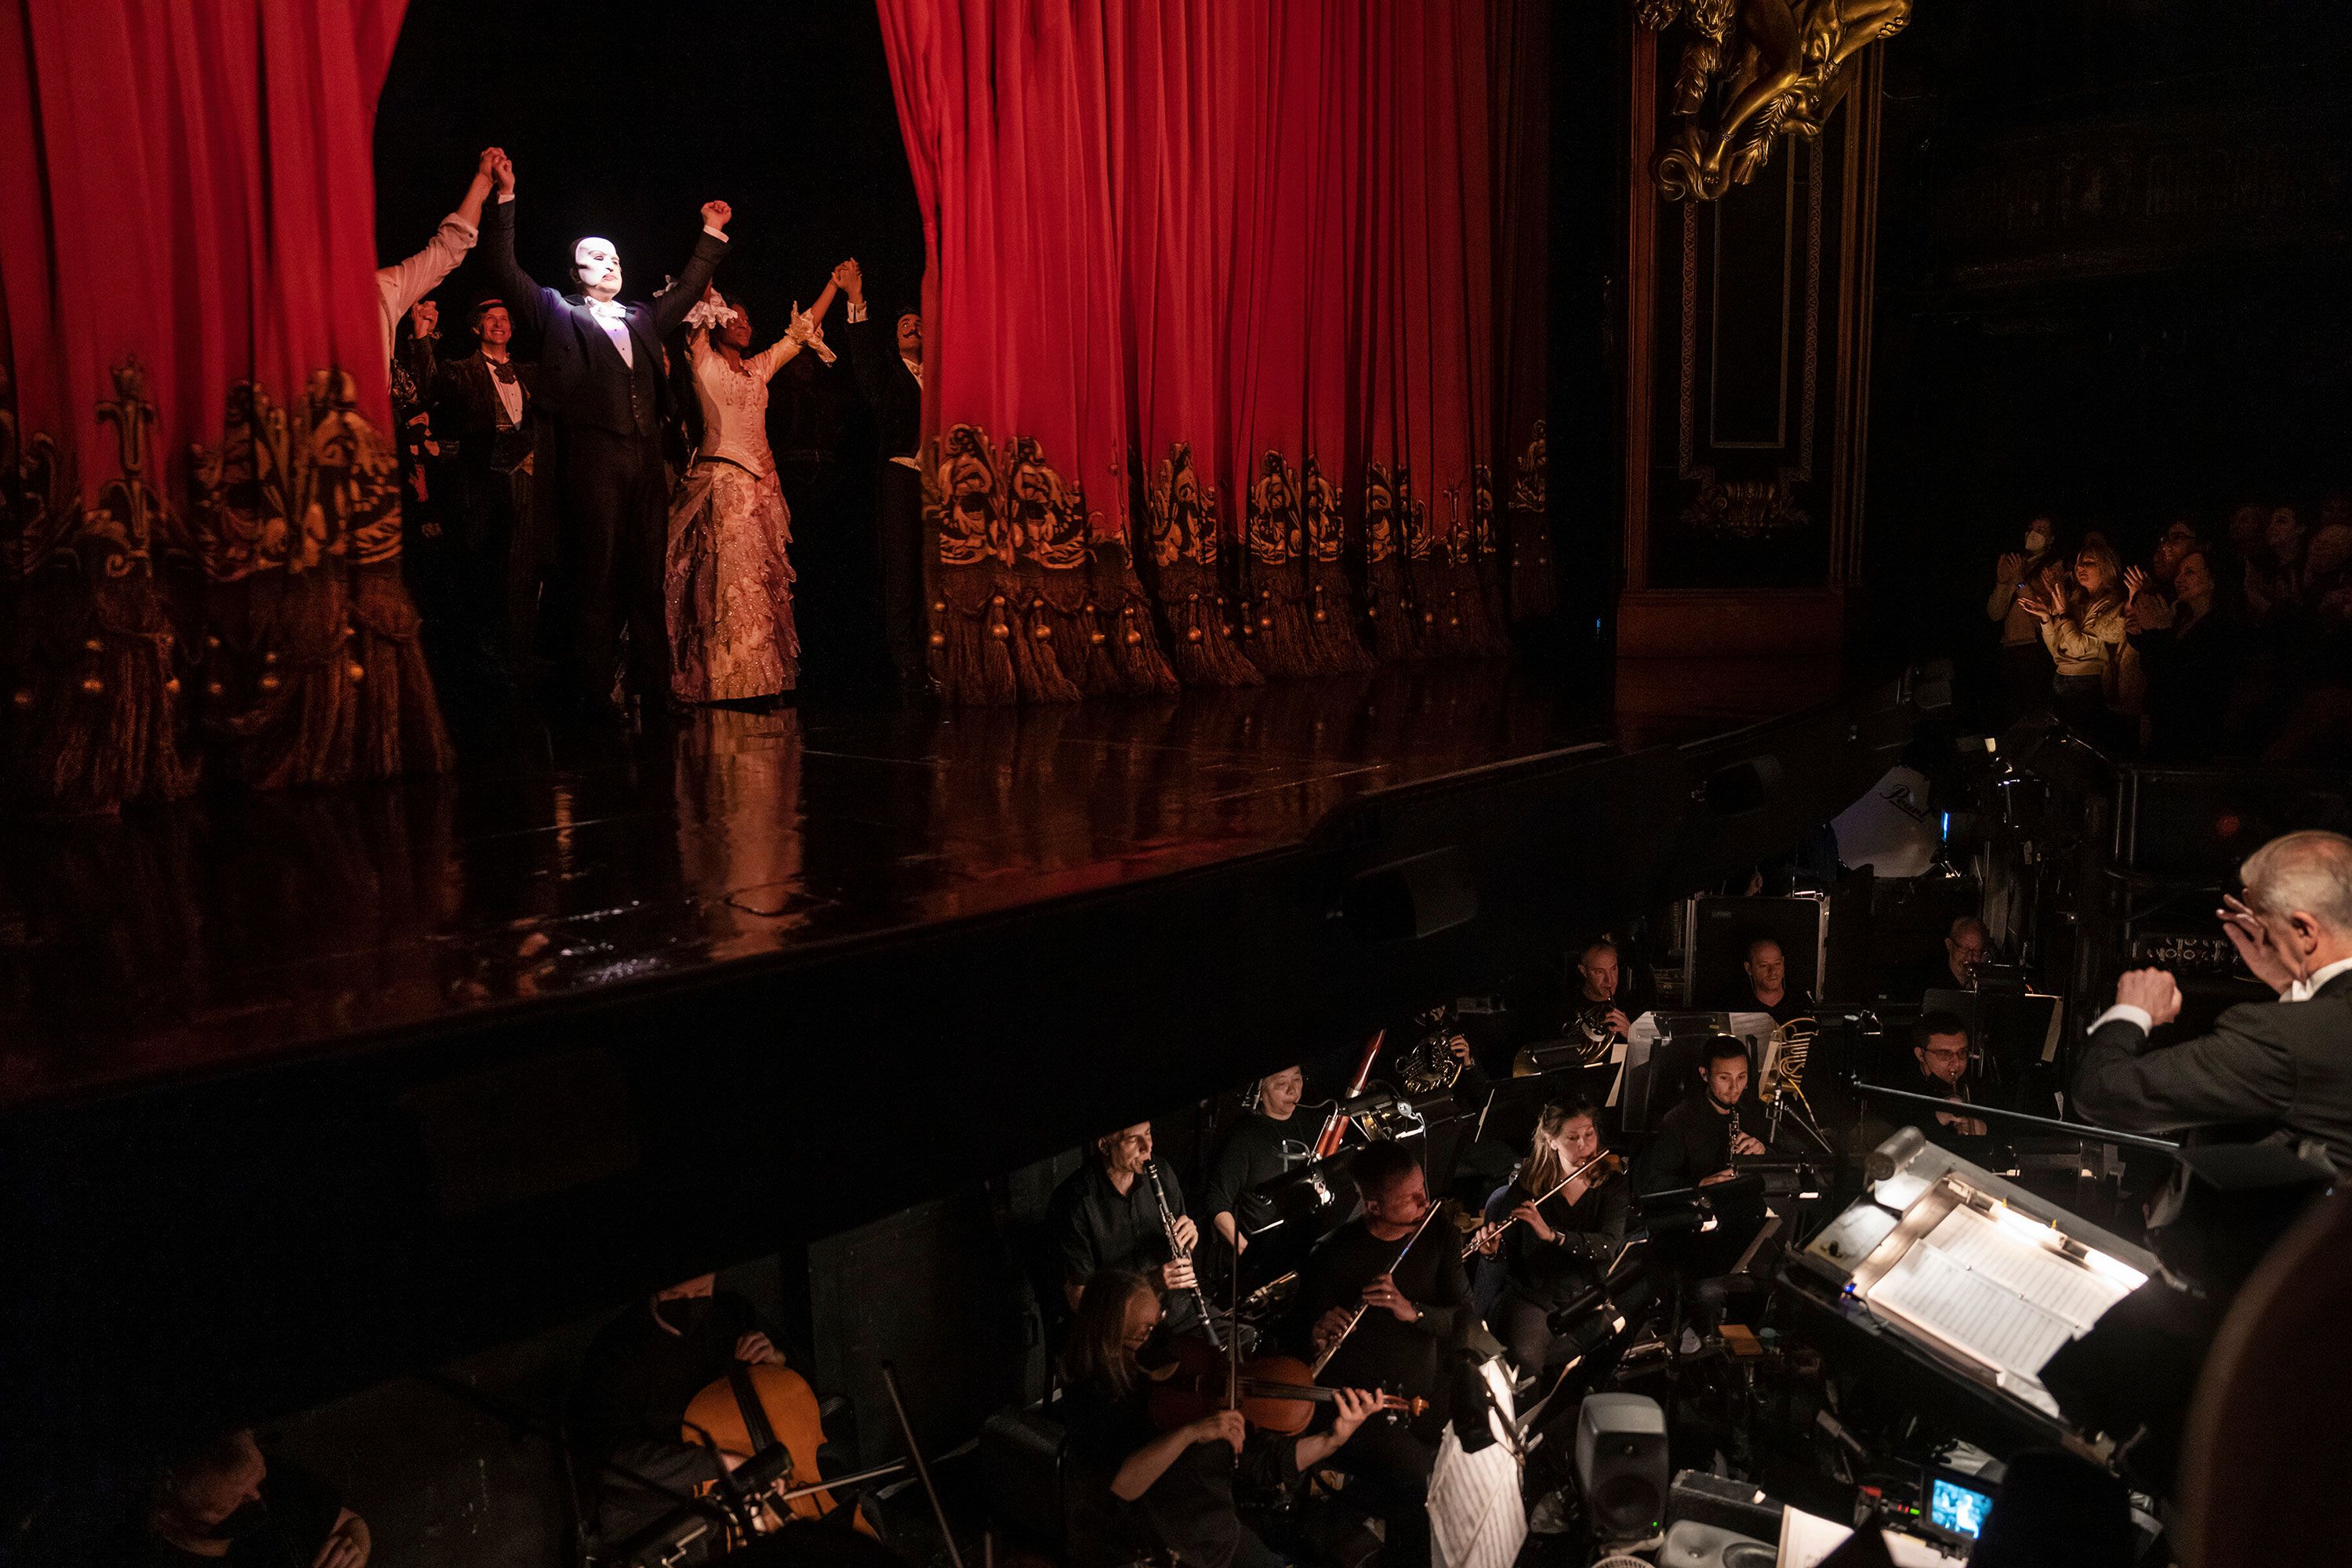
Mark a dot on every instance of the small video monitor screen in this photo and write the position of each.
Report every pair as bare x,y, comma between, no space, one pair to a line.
1956,1509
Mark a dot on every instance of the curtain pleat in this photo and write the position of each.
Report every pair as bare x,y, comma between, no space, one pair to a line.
199,515
1211,363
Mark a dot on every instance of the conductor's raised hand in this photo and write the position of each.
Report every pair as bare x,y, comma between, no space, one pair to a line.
2153,991
2252,941
716,215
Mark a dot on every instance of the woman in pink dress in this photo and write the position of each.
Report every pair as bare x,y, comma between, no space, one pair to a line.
728,582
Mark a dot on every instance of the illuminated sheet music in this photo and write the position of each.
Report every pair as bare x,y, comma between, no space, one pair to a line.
1994,1293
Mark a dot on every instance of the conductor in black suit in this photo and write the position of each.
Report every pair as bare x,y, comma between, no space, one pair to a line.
2286,1064
602,385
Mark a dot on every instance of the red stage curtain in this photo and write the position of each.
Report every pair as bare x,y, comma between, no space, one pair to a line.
1210,281
201,512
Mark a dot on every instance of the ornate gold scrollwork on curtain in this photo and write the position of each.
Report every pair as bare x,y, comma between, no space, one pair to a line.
1276,623
1028,605
1753,70
1533,593
1181,513
1331,597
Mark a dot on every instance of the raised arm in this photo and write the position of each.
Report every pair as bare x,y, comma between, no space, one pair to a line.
862,336
405,282
670,307
525,299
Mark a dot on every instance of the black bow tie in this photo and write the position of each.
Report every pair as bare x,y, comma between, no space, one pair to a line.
503,371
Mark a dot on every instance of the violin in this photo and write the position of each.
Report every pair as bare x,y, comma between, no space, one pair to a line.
749,1412
1275,1393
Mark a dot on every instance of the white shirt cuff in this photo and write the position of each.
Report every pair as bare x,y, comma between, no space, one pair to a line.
2128,1013
713,233
462,227
857,309
505,196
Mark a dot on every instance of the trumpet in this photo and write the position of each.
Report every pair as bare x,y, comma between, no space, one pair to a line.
1178,1252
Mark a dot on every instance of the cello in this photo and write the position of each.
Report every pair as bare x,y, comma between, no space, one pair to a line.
756,1407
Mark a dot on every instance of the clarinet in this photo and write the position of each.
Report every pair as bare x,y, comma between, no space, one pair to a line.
1730,1149
1178,1253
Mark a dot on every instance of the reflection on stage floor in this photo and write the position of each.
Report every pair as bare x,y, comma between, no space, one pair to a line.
238,925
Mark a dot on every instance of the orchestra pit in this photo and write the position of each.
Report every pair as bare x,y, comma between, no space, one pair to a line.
1208,784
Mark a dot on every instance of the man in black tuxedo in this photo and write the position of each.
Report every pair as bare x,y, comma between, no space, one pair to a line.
890,372
2286,1064
601,382
482,417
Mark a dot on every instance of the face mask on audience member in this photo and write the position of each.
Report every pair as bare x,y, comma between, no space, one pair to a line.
2037,537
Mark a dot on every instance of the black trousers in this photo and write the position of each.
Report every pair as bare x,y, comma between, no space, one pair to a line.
898,542
612,503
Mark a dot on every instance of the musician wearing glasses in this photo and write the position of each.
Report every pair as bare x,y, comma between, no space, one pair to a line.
1395,1321
1939,1042
1548,1238
1108,1215
1261,1146
1699,1141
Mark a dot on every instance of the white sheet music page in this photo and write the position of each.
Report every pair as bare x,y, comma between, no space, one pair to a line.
1806,1539
1477,1518
1994,1293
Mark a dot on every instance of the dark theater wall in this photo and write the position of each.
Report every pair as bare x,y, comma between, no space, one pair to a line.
2111,253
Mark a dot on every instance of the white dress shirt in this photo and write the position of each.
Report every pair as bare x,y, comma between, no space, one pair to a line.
402,284
614,317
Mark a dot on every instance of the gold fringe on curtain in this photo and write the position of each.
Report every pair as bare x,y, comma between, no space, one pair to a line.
1534,595
1185,523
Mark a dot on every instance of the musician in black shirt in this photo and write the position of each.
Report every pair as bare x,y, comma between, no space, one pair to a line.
1261,1146
1768,989
1939,1042
1558,1243
642,1371
1407,1314
1107,1215
1694,1143
1137,1491
221,1501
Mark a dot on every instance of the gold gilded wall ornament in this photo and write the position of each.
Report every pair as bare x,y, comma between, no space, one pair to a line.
1753,70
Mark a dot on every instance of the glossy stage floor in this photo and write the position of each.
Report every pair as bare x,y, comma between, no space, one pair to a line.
233,928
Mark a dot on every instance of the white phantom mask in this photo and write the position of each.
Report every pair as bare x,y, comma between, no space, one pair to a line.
598,268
